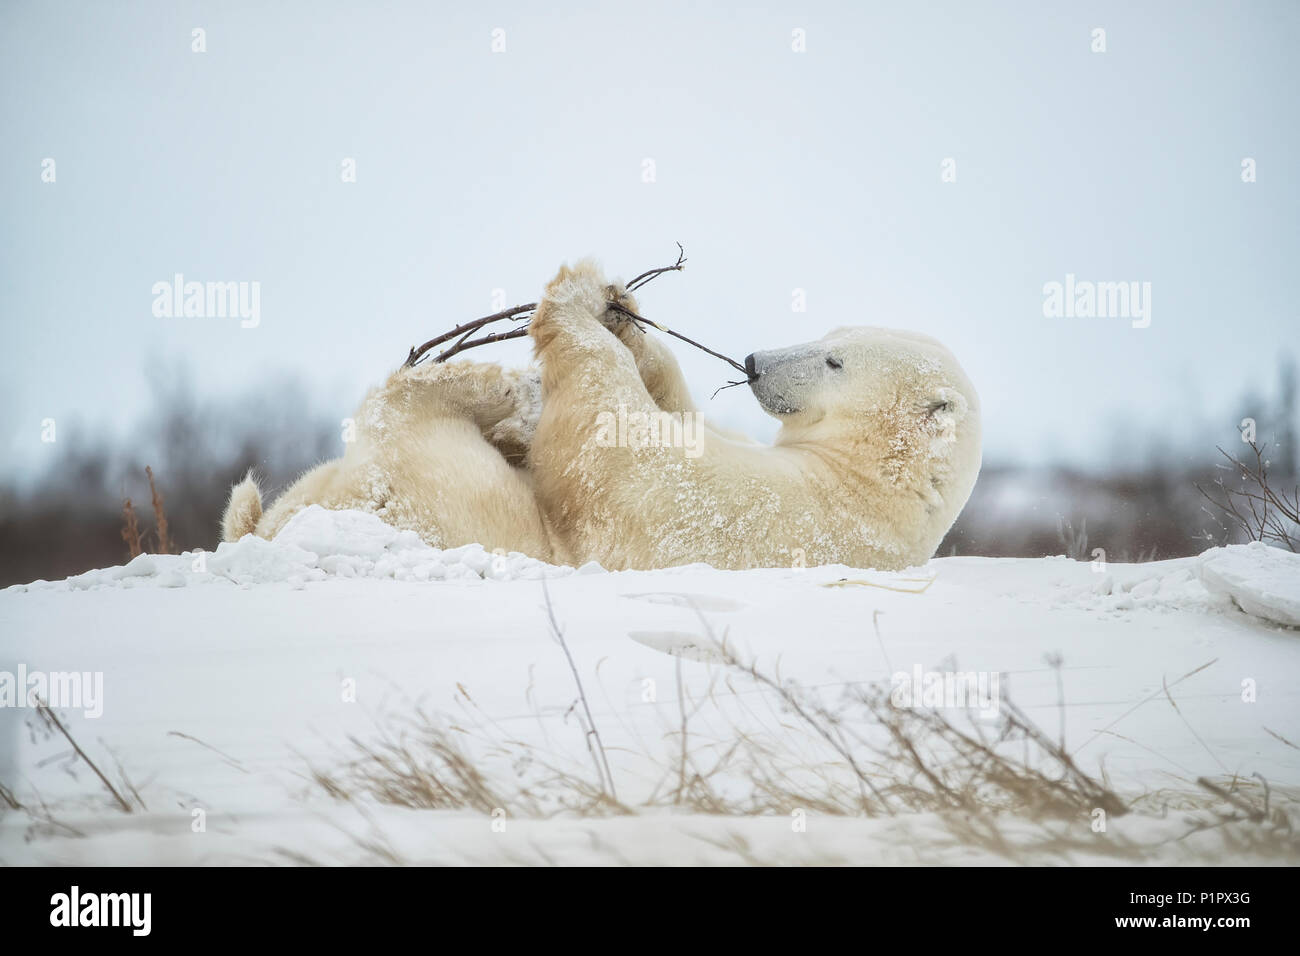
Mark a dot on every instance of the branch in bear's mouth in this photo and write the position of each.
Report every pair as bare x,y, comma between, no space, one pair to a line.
723,388
463,332
639,318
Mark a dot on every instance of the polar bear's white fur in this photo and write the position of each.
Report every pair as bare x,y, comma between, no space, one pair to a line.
878,451
433,453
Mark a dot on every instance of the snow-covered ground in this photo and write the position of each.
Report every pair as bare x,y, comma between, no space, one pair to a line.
228,677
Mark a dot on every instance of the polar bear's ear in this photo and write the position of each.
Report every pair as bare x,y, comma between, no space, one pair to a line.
945,409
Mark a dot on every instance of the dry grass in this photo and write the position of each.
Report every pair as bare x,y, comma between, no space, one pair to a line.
53,724
421,761
165,545
131,533
131,530
754,744
1074,544
122,795
769,746
7,796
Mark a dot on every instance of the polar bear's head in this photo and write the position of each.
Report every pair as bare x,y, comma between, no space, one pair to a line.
892,402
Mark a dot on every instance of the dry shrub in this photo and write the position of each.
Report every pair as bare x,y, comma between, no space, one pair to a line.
1256,508
159,515
421,761
131,523
878,759
131,530
419,764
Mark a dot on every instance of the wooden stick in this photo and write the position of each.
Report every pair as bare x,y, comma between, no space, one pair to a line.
638,318
462,332
468,343
649,274
437,340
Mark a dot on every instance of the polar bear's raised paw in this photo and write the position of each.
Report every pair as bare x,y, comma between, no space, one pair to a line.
580,287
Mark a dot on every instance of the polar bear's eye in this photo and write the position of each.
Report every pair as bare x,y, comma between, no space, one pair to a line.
937,407
834,362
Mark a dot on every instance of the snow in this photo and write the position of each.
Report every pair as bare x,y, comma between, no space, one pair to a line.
1263,581
314,545
225,677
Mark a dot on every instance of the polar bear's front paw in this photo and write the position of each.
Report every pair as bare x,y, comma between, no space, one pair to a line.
620,307
581,288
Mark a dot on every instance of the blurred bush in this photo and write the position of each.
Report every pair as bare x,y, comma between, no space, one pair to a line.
70,520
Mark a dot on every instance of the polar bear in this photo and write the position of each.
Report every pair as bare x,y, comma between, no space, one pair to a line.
439,450
606,458
879,447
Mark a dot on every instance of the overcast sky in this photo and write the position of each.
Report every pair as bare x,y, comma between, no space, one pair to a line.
778,170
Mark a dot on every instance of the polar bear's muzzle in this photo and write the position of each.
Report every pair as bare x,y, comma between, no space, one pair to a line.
782,379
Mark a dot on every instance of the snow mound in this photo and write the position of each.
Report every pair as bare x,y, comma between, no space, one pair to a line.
1167,586
315,545
346,533
1263,581
254,560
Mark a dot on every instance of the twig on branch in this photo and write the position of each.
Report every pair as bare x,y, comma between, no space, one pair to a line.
649,274
468,343
518,310
723,388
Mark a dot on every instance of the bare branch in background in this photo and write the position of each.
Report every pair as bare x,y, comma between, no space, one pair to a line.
1259,510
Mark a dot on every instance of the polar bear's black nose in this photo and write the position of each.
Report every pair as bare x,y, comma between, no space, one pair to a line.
749,367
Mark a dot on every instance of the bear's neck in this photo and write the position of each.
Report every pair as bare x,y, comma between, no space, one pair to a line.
873,482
